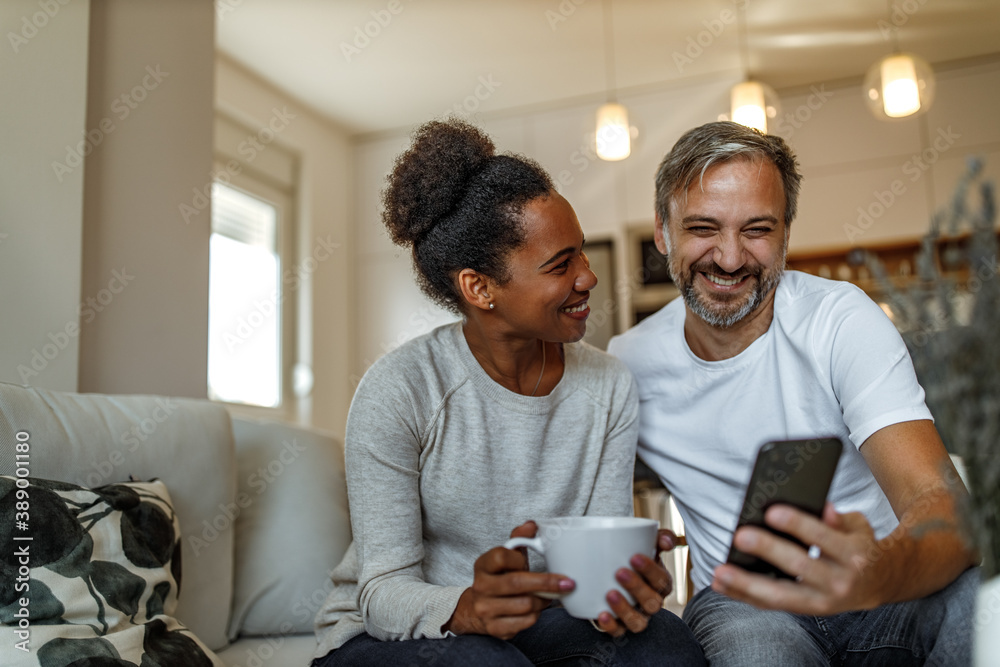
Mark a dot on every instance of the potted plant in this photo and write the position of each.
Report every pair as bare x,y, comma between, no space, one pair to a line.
949,317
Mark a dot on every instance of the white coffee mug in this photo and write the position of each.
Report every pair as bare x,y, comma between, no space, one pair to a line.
589,550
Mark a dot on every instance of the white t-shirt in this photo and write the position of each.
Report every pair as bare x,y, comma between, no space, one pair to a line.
831,364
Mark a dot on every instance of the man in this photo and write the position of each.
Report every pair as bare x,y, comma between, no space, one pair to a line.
753,354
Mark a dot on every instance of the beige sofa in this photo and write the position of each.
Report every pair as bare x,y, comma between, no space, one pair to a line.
262,507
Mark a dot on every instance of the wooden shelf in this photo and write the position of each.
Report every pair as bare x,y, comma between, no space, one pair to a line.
899,259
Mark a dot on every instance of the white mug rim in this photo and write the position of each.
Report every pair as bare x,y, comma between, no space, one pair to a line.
596,522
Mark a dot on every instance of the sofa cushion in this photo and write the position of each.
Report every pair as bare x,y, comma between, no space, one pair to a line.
270,651
292,528
94,439
92,573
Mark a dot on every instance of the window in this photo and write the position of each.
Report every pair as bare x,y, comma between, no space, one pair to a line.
252,316
244,303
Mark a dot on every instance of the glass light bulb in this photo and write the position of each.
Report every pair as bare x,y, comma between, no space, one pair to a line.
613,138
747,100
900,94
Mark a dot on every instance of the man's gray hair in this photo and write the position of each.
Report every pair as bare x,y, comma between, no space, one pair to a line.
704,146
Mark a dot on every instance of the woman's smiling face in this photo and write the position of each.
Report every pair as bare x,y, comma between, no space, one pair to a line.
550,277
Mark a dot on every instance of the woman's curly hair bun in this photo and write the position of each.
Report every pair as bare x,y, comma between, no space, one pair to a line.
458,204
431,178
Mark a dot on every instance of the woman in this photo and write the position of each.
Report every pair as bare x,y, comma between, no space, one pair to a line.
480,426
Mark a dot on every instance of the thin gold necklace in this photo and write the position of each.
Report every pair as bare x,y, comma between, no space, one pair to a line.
541,373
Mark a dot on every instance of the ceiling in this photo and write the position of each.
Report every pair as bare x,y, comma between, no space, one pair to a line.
378,65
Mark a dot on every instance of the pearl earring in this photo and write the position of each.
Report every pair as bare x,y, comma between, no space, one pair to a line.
491,305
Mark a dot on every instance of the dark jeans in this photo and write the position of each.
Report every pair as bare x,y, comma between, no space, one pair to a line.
557,639
935,630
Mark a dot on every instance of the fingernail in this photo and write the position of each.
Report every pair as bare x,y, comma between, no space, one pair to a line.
614,597
636,561
747,539
666,542
624,575
566,584
779,515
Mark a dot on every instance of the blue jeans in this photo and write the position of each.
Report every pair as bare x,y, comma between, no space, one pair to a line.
557,639
935,630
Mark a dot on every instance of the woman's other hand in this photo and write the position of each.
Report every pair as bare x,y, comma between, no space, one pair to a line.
648,582
666,540
501,601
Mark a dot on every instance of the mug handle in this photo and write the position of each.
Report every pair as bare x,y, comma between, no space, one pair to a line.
535,544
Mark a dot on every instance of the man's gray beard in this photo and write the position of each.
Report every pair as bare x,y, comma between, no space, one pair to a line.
720,321
725,321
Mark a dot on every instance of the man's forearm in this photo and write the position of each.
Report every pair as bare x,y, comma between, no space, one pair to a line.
926,551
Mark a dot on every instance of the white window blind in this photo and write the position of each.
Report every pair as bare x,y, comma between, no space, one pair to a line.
244,352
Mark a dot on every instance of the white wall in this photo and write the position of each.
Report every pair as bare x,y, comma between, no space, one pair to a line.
897,173
61,243
144,267
848,158
43,84
323,211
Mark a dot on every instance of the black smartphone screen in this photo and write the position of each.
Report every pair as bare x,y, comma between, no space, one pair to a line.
788,472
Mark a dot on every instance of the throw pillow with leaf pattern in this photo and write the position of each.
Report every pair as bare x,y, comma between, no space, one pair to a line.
101,580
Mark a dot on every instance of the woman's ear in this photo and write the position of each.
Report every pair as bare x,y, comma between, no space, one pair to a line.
475,289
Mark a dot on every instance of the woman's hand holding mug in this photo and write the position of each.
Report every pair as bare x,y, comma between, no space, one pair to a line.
503,598
593,550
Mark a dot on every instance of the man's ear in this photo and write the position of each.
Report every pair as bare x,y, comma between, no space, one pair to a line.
658,235
475,288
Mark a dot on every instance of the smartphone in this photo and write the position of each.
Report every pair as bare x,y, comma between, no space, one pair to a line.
789,472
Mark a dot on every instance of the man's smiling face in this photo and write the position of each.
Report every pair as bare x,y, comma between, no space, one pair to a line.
727,240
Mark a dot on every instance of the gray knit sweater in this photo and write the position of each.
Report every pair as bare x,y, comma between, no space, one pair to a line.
443,462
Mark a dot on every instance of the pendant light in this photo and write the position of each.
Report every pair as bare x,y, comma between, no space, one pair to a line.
898,85
751,102
614,135
747,103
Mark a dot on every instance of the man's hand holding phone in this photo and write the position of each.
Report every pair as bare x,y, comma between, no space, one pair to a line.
791,550
840,579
